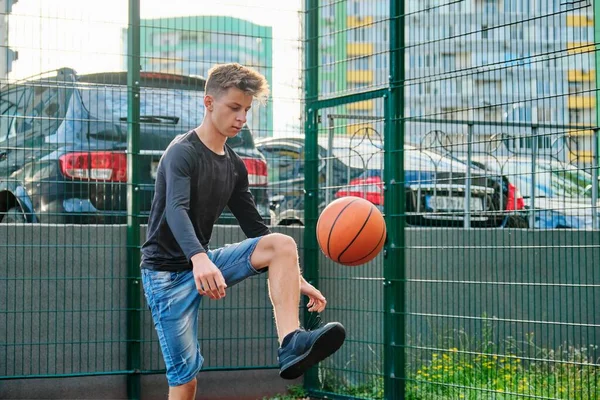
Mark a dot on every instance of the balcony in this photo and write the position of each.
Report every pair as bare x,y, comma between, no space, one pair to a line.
576,75
357,22
363,76
583,156
581,102
359,49
579,20
351,129
582,132
365,105
580,47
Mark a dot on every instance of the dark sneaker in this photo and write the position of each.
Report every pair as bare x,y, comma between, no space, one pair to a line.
302,349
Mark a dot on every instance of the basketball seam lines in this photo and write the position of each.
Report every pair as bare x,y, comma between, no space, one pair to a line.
357,234
371,252
333,226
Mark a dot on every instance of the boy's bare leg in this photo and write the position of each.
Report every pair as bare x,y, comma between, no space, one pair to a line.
186,391
280,254
299,349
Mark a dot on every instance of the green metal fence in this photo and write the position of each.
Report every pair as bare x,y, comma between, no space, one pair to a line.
91,96
471,125
474,126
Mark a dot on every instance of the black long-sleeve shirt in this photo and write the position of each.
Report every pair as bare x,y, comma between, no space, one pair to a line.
193,186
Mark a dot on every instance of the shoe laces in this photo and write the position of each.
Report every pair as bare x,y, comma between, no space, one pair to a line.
313,322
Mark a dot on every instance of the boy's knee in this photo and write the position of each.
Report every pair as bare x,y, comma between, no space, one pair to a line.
272,246
284,245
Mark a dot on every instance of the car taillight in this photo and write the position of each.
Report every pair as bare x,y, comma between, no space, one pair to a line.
95,165
368,188
515,201
257,171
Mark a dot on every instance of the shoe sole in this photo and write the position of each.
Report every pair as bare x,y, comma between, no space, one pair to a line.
328,343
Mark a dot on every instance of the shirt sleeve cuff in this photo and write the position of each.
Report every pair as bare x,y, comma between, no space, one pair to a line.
194,252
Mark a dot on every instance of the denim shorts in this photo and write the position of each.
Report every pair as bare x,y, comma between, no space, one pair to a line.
174,302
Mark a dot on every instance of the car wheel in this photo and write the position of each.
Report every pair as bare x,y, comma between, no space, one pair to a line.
515,221
14,216
292,223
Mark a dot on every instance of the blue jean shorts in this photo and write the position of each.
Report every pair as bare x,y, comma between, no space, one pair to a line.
174,302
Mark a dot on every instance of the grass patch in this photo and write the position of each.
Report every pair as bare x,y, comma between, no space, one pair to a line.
483,368
295,392
460,374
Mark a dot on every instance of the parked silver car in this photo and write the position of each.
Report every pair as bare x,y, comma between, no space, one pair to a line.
562,196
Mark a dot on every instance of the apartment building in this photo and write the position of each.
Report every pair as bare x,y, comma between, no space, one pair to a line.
191,45
507,61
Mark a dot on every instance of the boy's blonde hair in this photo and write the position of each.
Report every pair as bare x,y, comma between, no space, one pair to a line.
224,76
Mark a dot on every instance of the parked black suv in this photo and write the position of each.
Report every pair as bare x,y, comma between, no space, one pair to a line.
63,142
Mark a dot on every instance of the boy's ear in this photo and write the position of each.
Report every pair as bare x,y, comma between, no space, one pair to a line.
208,102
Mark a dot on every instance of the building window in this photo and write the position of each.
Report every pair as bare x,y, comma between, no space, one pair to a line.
327,59
360,64
492,114
449,61
545,115
190,37
450,113
516,32
526,142
328,12
381,61
580,143
488,86
576,116
579,88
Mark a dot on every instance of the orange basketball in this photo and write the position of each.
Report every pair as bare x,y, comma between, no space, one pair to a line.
351,231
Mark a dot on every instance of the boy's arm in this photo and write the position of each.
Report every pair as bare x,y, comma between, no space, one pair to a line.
243,207
178,168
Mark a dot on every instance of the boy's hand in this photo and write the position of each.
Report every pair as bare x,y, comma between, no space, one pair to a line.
209,279
317,301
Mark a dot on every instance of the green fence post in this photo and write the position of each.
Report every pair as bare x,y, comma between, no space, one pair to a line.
133,208
311,182
394,268
596,137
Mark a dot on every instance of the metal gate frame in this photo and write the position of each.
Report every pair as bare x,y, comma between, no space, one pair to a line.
394,269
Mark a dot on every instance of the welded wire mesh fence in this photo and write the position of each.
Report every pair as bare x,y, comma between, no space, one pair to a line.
470,124
92,95
486,170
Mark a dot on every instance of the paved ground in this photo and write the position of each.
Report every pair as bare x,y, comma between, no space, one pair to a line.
235,385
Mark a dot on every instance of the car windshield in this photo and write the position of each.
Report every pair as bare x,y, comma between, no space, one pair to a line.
283,164
107,106
185,108
551,180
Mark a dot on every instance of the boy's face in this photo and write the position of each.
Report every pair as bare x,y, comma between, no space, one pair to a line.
228,110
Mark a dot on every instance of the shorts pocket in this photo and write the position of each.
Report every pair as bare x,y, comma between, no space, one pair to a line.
162,280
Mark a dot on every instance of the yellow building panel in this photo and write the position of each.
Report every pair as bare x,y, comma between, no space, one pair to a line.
582,102
581,132
360,76
351,129
579,20
581,156
355,22
580,47
361,105
577,75
359,49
